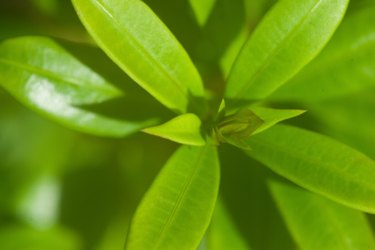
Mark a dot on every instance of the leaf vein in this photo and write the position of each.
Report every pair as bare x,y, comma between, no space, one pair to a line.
274,53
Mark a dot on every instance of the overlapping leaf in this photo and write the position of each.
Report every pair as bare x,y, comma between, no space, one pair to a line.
184,129
136,39
290,35
46,78
222,233
271,116
351,119
177,209
318,163
345,66
318,223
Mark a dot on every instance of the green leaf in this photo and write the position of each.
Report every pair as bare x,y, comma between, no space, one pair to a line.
338,117
319,164
222,233
318,223
252,207
28,59
254,12
184,129
177,209
43,76
345,66
202,9
236,128
271,116
290,35
136,40
229,56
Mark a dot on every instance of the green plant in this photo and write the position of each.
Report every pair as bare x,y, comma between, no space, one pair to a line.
72,84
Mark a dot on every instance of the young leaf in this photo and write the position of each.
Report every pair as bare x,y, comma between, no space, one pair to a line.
345,66
318,223
319,164
271,116
222,233
177,209
290,35
46,78
237,127
184,129
136,40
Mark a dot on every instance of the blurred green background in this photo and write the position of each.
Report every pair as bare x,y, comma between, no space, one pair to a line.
60,189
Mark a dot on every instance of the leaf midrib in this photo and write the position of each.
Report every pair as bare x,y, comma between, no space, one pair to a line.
180,199
48,74
301,158
276,51
140,48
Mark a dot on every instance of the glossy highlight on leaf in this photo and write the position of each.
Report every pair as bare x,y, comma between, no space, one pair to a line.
319,164
177,209
289,37
132,72
140,44
46,78
318,223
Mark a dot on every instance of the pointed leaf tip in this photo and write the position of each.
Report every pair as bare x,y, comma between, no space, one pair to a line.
176,210
291,29
133,36
184,129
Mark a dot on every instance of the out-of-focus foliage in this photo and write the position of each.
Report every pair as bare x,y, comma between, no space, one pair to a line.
64,190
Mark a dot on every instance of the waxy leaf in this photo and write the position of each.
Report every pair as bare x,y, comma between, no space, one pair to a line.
184,129
345,66
222,233
26,58
289,36
318,223
140,44
177,209
271,117
318,163
46,78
